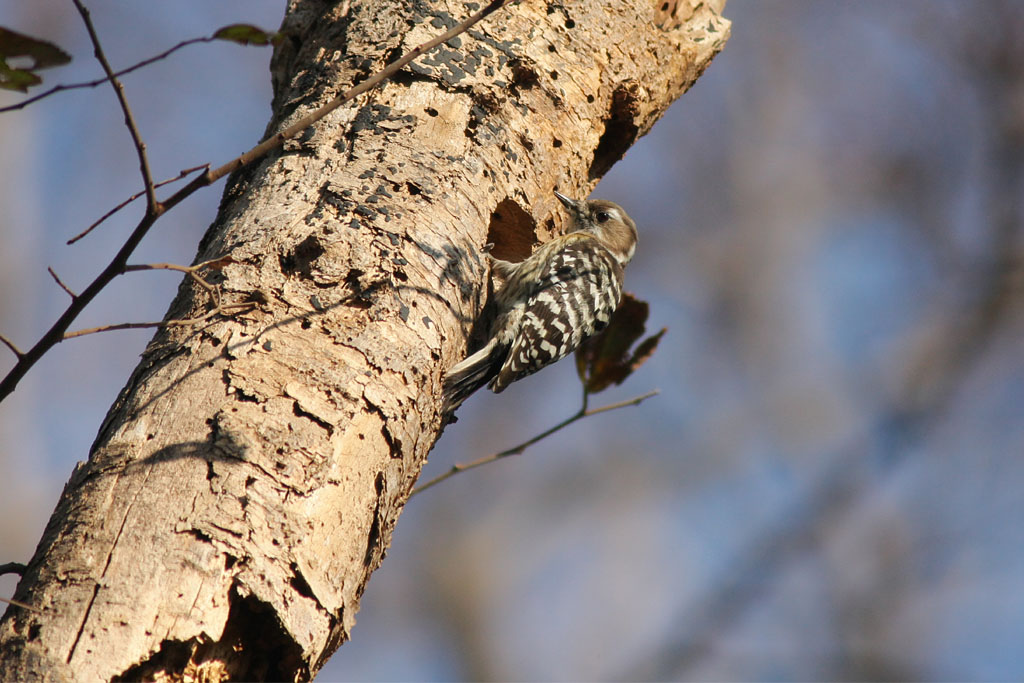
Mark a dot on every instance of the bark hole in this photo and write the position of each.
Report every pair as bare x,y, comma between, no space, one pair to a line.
298,582
666,14
512,231
252,648
620,129
524,76
299,261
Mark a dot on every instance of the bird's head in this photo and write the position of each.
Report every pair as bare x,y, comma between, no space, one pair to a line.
605,220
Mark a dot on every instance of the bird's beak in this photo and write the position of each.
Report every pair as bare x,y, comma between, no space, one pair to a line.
571,204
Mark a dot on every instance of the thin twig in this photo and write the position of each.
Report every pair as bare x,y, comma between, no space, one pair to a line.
100,81
136,326
518,450
18,603
191,271
131,199
212,263
13,568
61,283
240,307
152,206
56,333
14,349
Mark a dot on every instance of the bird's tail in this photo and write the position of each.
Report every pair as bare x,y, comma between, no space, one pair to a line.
469,375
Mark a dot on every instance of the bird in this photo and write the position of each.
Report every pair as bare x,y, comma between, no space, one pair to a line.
564,292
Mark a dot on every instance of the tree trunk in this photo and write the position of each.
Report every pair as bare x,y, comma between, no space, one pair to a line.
246,482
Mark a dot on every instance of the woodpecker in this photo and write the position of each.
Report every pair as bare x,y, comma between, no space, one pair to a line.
549,303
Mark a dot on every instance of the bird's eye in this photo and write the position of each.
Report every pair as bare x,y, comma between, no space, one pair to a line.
603,216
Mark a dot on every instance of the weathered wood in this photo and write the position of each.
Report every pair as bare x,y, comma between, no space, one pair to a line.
246,482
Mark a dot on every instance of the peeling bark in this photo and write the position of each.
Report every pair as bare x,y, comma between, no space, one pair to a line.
246,482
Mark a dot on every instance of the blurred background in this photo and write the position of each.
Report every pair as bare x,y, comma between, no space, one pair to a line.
829,486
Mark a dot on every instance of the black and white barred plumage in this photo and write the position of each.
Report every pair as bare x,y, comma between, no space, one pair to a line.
561,294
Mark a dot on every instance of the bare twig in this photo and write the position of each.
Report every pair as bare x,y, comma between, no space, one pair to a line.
56,333
163,323
152,206
131,199
100,81
112,328
219,309
18,603
192,271
13,568
19,569
14,349
582,413
60,282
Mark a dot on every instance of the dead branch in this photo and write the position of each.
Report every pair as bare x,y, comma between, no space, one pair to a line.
129,119
131,199
60,282
14,349
155,209
582,413
100,81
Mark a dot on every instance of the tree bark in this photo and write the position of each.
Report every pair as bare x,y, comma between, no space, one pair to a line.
246,482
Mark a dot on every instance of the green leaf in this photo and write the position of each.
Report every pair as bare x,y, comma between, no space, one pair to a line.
247,34
42,54
605,359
